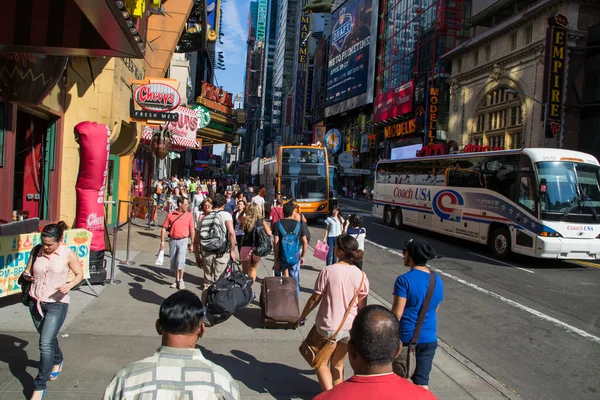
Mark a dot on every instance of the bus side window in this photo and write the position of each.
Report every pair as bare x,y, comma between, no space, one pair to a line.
526,193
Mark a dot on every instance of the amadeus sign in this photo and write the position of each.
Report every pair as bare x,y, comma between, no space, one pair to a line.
157,97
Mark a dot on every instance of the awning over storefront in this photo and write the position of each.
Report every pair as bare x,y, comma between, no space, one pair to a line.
93,28
179,142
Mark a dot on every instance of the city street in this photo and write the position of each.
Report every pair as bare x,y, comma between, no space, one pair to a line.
531,324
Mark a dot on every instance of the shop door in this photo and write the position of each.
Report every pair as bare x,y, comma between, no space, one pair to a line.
30,168
48,165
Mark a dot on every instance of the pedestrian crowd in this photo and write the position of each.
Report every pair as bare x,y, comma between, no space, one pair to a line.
225,226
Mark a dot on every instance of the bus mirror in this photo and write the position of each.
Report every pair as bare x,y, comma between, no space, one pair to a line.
543,186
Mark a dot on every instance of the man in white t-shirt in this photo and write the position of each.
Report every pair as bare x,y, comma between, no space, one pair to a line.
358,232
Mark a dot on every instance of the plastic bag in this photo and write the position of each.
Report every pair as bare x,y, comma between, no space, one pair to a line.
160,258
321,250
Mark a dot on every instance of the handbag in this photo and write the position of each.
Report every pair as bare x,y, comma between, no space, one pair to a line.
321,250
230,293
24,283
316,349
406,363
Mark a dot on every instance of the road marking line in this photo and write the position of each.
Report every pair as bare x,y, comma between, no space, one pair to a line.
557,322
376,244
586,263
385,226
502,262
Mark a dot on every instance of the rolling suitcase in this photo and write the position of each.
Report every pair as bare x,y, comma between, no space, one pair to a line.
279,302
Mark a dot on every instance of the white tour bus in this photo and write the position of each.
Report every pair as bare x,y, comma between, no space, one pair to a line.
537,202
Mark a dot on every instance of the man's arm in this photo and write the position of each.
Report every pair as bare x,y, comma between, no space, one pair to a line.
232,241
304,248
192,232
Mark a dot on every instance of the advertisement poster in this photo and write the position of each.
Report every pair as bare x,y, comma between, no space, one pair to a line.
394,102
15,252
349,52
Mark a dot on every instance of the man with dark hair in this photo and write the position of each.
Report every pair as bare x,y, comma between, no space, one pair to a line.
289,225
177,369
373,346
179,225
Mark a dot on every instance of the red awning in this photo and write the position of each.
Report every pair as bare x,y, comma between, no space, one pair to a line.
179,142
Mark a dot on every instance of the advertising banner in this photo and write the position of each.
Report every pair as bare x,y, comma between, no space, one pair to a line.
364,143
94,150
15,252
394,102
187,124
554,73
302,75
348,68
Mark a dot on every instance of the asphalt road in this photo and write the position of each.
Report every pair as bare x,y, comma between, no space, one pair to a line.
534,325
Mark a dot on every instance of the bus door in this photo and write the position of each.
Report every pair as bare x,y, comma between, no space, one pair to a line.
524,194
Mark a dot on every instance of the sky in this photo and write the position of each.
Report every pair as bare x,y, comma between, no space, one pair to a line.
235,28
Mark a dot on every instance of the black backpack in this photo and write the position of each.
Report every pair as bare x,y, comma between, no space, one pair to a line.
230,293
261,240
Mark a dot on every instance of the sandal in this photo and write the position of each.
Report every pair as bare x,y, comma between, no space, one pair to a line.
54,374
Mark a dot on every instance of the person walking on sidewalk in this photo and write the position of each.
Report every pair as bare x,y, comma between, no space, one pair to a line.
335,287
49,299
252,221
410,293
204,208
289,258
259,200
217,238
374,344
180,226
196,202
238,219
178,369
335,224
276,213
356,230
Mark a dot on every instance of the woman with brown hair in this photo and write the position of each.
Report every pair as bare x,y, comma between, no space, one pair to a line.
252,221
238,219
334,290
335,227
49,299
260,201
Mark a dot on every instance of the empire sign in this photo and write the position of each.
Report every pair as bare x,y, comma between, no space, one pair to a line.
302,76
554,73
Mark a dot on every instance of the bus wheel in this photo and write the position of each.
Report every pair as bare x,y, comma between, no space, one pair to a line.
388,216
398,219
500,242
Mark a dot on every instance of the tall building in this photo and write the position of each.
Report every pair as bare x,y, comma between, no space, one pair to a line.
267,81
284,64
252,83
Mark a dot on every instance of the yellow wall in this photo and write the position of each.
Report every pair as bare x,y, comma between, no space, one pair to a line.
103,98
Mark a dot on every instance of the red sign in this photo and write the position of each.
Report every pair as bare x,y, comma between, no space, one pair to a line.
187,124
217,94
394,102
442,149
157,97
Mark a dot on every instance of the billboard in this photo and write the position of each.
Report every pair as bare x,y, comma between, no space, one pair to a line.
302,81
351,62
213,15
394,102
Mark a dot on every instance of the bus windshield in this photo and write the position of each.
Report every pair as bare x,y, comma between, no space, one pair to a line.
302,155
304,188
572,189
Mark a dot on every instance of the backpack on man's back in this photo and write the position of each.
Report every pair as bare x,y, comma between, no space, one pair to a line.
290,244
213,234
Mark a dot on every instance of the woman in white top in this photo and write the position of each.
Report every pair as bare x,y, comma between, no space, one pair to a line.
195,204
335,224
260,201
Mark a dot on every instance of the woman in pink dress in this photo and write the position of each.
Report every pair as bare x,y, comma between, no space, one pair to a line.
49,301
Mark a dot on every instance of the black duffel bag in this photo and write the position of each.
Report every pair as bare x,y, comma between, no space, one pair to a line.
230,293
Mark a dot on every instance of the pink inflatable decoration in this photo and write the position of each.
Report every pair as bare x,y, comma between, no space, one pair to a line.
94,150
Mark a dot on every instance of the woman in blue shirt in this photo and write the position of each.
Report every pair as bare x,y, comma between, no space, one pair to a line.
334,223
410,291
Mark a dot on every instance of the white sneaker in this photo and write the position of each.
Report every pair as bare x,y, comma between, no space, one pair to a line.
181,285
174,285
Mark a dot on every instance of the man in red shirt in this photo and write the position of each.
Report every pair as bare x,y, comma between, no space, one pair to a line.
373,346
180,226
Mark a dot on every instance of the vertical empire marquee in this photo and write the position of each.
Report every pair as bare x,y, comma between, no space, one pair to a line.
302,75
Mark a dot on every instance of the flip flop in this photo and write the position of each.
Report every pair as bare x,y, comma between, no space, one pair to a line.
54,375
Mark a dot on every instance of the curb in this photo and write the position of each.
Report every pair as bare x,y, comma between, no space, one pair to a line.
452,352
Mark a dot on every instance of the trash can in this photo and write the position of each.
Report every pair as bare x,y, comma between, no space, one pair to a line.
97,267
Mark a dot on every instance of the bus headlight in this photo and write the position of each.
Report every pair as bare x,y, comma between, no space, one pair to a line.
322,207
550,234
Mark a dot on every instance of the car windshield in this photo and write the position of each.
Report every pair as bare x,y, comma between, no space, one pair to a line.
571,188
304,188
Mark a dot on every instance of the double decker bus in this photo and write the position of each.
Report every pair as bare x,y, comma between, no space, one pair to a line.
301,173
538,202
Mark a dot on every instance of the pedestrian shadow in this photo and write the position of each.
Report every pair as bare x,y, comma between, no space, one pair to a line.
250,316
137,292
15,356
144,273
278,380
149,234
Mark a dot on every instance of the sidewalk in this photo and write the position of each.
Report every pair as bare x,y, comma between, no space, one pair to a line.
103,334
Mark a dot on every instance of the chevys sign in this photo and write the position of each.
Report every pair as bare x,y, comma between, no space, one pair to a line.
157,97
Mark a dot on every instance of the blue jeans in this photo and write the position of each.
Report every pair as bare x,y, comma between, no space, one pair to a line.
48,327
425,354
331,258
294,273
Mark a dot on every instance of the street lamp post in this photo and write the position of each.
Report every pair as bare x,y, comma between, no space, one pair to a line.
512,91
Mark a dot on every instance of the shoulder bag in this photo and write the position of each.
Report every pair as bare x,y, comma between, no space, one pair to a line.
406,362
24,283
316,349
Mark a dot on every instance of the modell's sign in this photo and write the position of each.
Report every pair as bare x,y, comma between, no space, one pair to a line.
157,97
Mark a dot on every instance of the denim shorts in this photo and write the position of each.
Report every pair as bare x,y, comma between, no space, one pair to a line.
425,354
342,336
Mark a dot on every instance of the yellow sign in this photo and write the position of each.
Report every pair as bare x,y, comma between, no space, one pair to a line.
401,129
15,252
